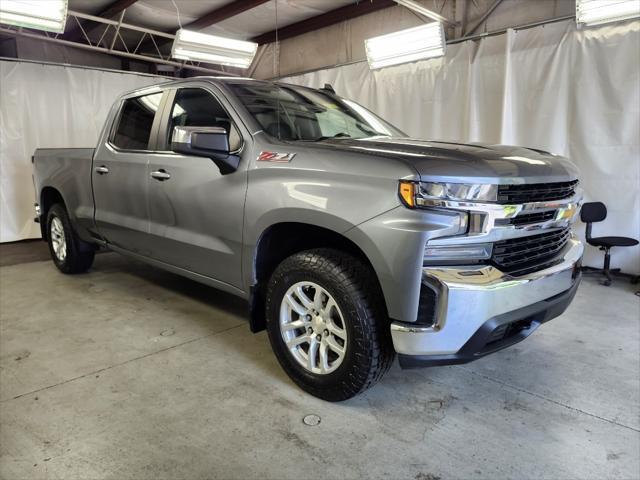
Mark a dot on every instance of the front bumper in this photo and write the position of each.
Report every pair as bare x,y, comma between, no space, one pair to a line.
480,310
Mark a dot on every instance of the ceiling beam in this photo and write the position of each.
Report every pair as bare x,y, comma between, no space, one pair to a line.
75,33
324,20
227,11
425,12
116,7
483,18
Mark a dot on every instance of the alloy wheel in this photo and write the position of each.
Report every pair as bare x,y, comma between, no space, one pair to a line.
58,240
313,328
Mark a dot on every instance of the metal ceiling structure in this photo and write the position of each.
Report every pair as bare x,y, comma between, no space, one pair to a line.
324,20
111,40
227,11
144,29
115,8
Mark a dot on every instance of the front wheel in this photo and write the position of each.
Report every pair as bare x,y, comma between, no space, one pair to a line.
327,324
69,253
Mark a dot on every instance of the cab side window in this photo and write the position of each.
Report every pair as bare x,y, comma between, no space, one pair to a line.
195,107
136,119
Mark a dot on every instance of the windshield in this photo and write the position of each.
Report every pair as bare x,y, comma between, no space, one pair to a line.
296,113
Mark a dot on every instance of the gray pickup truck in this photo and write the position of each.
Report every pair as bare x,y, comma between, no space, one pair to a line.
351,241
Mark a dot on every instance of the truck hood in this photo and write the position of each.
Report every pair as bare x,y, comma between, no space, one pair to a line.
462,162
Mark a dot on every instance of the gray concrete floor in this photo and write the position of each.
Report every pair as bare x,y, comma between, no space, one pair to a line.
25,251
131,372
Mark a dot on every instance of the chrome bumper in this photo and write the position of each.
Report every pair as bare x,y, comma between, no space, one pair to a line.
472,298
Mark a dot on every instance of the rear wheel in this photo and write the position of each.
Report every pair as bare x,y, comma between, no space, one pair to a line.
327,324
69,253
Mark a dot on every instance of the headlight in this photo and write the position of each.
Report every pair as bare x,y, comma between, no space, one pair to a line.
457,253
425,194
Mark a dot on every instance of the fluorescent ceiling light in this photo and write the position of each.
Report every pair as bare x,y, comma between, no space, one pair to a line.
425,41
49,15
595,12
200,47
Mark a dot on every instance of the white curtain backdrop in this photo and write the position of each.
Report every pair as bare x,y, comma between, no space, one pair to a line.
576,93
568,91
47,106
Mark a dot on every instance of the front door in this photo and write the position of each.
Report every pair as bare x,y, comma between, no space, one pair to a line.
120,175
195,212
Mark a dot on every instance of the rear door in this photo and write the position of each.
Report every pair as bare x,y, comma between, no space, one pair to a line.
120,177
196,213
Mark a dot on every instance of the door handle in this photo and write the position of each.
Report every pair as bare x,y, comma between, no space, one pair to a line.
102,170
161,175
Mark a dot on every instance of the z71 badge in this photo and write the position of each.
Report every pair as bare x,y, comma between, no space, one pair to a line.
275,157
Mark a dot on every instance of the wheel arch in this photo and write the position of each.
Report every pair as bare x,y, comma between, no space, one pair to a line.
281,240
49,196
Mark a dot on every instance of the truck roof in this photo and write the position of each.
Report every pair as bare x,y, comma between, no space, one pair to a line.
212,79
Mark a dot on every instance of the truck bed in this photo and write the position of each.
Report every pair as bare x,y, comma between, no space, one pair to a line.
68,170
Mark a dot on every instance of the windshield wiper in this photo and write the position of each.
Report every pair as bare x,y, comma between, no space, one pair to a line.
327,137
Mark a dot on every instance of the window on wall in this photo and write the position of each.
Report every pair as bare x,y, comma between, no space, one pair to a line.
136,119
195,107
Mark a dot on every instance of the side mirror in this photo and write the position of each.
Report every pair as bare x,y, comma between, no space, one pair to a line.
211,142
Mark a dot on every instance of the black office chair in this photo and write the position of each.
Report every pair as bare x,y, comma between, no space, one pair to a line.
596,212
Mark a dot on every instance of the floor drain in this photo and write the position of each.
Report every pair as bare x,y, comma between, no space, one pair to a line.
311,420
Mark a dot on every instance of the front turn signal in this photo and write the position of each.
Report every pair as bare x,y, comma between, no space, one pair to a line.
407,193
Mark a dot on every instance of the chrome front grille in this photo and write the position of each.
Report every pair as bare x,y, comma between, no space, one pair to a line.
523,255
528,229
535,192
528,218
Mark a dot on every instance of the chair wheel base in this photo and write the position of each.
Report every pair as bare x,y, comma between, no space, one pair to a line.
609,274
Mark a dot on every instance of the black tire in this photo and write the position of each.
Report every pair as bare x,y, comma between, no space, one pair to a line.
369,350
79,254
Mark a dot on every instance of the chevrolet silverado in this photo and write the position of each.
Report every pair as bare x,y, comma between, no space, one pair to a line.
351,241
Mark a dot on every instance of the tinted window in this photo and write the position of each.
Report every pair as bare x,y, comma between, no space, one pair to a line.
136,119
194,107
288,112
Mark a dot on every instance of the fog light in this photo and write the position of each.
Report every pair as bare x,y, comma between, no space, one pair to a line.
457,253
